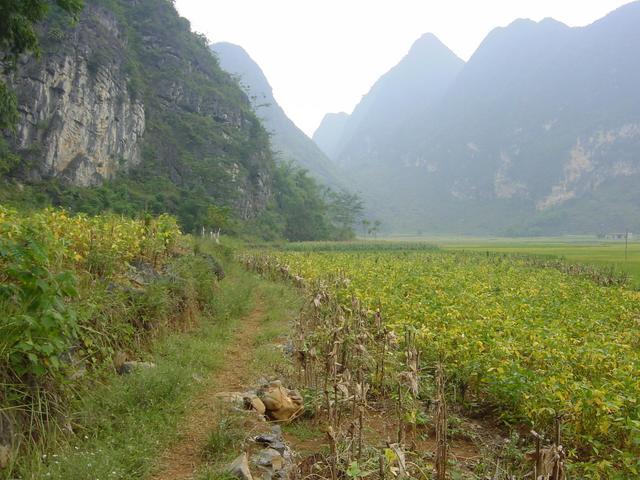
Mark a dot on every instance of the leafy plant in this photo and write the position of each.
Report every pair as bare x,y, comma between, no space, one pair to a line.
38,326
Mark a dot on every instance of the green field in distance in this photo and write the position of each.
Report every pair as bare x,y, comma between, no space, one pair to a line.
575,249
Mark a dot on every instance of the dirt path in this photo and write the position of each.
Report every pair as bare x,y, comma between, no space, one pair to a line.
183,459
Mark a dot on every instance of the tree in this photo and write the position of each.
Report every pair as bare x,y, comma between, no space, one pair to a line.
216,219
18,36
375,228
345,209
365,226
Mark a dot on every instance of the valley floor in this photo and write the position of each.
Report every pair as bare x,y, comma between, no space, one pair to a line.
175,420
575,249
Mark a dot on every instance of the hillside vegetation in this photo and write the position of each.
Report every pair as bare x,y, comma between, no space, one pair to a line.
128,111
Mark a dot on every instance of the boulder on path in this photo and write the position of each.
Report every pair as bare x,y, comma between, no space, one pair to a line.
239,468
281,404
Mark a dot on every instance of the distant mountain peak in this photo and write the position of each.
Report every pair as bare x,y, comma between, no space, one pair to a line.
427,44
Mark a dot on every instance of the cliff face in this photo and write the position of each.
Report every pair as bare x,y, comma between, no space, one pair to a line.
130,96
78,120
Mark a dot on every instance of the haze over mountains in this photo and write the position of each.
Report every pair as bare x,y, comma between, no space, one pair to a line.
289,142
539,133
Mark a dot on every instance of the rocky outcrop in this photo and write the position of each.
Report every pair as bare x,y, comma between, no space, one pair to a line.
78,119
129,92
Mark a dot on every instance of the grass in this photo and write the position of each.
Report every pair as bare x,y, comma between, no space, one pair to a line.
303,430
281,303
225,438
123,424
607,254
580,249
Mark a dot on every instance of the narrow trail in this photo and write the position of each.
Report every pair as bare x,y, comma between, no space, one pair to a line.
184,458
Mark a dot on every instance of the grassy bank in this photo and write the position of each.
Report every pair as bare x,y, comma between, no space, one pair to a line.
121,425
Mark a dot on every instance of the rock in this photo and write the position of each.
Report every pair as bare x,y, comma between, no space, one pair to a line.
75,105
239,468
253,402
231,397
5,456
129,367
269,458
281,404
272,441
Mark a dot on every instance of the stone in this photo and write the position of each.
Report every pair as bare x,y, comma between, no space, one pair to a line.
281,404
272,441
253,402
129,367
5,456
270,458
239,468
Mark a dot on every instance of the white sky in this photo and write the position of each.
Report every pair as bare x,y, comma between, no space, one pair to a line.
322,55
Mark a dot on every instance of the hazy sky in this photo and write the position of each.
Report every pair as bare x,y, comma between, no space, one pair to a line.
322,55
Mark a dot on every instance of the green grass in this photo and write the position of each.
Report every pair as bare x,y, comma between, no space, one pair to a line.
123,425
580,249
225,438
303,430
607,254
280,304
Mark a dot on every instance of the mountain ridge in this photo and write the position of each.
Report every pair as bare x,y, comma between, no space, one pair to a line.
290,143
540,116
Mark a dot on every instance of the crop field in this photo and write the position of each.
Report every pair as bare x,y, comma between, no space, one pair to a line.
609,254
533,342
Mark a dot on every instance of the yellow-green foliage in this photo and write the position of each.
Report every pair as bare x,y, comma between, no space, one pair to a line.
535,342
86,243
44,257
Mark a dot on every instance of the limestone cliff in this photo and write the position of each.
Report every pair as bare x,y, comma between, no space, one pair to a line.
78,119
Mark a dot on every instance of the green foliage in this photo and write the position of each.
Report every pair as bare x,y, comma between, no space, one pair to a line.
303,210
218,217
74,291
345,210
8,160
37,325
8,110
17,21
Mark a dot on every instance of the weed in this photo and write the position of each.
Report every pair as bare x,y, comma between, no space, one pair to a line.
225,438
